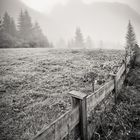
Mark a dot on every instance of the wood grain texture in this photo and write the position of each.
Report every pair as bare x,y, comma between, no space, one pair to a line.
94,99
61,127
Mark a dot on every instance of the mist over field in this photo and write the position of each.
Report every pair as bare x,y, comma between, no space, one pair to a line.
104,21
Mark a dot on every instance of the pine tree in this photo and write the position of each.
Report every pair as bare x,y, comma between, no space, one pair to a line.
1,24
25,25
79,41
1,28
6,39
130,40
21,25
6,23
38,39
89,43
37,30
13,30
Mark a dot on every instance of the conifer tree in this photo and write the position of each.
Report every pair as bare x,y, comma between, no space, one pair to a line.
130,40
21,25
37,30
1,29
1,25
38,37
25,25
7,40
89,43
6,23
79,41
13,30
25,35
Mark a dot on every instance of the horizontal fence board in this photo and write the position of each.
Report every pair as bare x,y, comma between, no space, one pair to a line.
94,99
74,117
46,134
61,127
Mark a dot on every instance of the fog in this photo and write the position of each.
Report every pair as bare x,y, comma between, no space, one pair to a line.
102,20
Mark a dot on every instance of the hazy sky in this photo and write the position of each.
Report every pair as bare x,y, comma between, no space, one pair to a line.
48,5
43,5
106,22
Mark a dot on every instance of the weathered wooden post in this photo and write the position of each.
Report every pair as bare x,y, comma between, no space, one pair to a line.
80,98
93,85
115,87
125,61
90,78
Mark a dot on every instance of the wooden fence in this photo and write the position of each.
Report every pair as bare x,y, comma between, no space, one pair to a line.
81,104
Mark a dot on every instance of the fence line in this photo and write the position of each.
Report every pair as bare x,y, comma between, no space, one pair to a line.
94,99
81,105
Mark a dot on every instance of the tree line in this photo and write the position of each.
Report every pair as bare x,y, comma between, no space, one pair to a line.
23,34
130,47
28,34
78,41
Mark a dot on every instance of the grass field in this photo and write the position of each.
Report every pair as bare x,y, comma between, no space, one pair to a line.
34,84
122,122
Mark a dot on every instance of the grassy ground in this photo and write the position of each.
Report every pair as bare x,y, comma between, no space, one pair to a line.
122,122
34,84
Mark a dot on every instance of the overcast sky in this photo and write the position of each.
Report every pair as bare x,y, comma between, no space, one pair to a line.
48,5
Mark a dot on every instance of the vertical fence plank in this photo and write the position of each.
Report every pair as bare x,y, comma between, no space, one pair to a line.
116,88
114,76
80,98
125,62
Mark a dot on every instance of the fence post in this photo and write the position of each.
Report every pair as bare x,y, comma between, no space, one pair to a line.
125,62
115,87
80,98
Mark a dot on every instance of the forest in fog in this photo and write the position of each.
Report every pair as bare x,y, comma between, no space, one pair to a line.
23,34
102,24
26,34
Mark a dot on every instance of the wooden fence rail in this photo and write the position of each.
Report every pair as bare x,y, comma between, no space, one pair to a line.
61,127
94,99
81,105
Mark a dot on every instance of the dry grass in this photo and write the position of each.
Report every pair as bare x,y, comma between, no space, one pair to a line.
34,84
122,122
